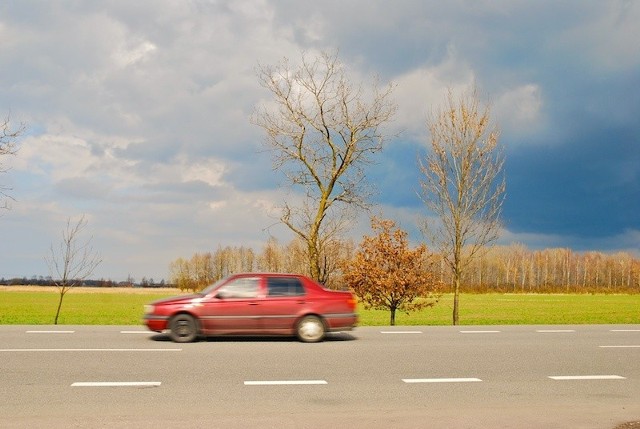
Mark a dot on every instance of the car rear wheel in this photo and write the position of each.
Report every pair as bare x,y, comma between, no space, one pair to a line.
310,329
183,328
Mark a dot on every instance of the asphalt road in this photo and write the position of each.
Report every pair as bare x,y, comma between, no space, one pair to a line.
411,377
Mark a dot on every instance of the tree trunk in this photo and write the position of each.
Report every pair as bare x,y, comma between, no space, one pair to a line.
456,298
314,260
55,322
393,316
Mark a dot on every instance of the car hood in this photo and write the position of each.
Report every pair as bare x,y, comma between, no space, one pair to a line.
177,299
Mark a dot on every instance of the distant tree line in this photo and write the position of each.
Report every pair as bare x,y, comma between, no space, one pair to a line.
516,268
502,269
202,269
102,283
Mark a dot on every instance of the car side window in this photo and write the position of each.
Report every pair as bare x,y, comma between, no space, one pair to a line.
246,287
284,286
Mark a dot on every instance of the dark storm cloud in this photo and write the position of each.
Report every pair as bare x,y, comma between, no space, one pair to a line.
587,187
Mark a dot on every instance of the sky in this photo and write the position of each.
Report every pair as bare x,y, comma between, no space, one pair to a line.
138,115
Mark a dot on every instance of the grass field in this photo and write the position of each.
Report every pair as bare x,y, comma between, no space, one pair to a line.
124,307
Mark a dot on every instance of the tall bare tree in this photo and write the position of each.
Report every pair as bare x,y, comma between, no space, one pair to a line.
322,132
8,137
463,182
73,261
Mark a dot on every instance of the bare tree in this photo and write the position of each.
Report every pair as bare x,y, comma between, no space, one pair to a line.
463,182
322,132
8,146
73,261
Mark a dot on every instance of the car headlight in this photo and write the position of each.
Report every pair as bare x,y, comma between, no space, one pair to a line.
148,309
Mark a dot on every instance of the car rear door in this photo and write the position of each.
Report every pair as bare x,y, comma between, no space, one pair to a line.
284,302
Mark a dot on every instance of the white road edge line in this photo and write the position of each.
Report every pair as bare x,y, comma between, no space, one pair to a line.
51,332
586,377
625,330
479,332
116,383
401,332
555,331
283,382
440,380
90,350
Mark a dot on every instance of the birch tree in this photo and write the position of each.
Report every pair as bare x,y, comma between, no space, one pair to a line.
322,131
462,182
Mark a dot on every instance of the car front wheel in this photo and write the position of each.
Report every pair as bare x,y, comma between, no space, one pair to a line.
183,328
310,329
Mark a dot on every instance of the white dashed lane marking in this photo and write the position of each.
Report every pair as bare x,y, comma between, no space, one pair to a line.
441,380
620,347
89,350
586,377
284,382
117,384
51,332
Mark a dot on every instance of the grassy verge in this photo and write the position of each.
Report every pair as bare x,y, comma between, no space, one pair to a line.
78,308
125,308
515,309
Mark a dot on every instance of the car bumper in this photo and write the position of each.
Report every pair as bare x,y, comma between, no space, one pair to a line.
341,322
156,323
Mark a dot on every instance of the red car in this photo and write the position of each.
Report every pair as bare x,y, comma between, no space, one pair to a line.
255,304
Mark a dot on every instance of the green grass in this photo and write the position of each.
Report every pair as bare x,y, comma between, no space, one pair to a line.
516,309
39,308
122,308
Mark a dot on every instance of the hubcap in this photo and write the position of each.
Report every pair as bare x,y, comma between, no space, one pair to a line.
311,329
183,329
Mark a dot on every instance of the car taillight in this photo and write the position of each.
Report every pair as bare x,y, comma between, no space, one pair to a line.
352,302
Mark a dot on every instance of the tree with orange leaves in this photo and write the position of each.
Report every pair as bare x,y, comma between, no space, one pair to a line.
385,274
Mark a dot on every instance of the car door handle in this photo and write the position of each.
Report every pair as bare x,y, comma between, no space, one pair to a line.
253,303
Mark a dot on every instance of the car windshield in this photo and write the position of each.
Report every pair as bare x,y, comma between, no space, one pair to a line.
210,288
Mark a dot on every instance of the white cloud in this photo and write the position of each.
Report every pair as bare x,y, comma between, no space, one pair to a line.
126,56
519,111
607,39
210,172
421,90
57,156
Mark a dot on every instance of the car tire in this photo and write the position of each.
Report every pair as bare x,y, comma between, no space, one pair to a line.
310,329
183,328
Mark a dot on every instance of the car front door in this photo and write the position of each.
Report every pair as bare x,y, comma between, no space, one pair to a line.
233,308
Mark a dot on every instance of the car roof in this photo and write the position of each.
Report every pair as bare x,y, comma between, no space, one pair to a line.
267,274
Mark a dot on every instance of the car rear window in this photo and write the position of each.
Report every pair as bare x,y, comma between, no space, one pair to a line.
284,286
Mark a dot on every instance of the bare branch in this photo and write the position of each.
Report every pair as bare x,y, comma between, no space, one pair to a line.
8,146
